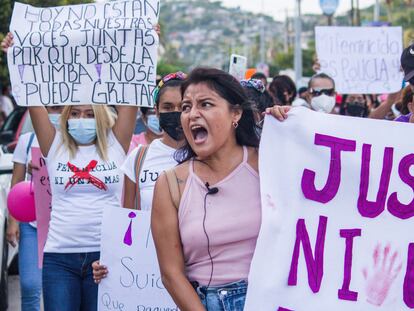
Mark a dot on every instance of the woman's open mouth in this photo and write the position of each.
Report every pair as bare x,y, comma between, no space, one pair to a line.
199,133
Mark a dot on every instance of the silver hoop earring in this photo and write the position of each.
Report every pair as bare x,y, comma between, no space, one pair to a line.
235,124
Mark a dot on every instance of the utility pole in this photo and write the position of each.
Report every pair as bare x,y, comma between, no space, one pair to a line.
352,13
376,11
358,14
262,36
298,46
287,33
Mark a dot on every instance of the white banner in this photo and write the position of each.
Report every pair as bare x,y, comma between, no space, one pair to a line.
337,207
133,282
96,53
361,60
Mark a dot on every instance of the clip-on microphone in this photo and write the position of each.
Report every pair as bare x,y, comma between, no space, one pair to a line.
213,190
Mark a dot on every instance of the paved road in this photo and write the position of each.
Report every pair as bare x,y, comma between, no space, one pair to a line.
14,293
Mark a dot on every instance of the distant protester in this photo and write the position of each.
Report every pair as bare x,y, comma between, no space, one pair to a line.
406,104
322,93
355,105
302,99
283,90
260,76
257,94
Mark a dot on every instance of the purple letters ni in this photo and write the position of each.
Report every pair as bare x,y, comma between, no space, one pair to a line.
344,293
314,264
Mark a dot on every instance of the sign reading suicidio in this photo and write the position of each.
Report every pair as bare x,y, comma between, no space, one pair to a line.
98,53
127,249
361,60
337,215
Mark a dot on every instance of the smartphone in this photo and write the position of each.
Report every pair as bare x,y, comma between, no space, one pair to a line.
238,66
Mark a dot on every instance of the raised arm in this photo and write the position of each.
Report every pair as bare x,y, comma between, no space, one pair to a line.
382,110
44,129
125,125
164,226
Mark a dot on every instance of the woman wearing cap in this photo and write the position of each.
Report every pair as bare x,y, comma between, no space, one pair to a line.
322,93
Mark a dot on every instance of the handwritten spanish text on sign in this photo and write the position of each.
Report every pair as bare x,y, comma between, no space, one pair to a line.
98,53
43,200
337,215
127,249
361,60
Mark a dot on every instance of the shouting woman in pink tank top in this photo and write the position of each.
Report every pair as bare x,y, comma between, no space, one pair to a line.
205,240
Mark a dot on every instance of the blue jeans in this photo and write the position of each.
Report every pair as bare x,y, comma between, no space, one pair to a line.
227,297
30,274
68,283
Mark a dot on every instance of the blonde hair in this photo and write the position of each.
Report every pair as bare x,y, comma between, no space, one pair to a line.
105,120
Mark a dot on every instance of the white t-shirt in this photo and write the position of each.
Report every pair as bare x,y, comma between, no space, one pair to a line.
22,156
159,158
81,188
6,105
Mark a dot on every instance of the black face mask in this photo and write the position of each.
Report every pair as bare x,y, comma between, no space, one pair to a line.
170,122
356,110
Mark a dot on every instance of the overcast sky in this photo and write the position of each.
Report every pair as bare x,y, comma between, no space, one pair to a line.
277,8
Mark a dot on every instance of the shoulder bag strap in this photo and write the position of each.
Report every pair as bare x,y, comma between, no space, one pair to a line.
139,162
29,145
174,188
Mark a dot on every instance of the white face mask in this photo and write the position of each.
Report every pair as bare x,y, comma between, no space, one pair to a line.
323,103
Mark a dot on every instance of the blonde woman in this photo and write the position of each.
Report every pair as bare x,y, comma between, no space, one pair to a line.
83,159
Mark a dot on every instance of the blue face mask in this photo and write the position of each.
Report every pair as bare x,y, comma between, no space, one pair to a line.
153,124
54,119
82,130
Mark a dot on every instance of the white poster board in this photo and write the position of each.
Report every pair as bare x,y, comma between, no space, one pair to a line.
335,235
127,249
97,53
361,60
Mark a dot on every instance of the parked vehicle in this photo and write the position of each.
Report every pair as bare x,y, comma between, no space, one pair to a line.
7,252
17,123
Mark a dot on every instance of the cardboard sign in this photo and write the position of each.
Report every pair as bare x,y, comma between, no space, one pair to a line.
98,53
361,60
43,200
337,215
127,249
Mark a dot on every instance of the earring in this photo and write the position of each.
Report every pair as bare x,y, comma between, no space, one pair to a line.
235,124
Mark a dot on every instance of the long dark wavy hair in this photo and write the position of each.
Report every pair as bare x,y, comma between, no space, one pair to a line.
227,87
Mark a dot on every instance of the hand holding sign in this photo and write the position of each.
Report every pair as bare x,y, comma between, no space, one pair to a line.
361,60
7,42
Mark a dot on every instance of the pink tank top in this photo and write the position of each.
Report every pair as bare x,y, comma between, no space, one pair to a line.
232,223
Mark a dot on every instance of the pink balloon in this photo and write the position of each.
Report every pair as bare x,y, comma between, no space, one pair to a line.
21,202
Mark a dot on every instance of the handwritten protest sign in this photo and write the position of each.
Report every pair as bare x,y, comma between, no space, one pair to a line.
127,249
98,53
337,208
361,60
43,200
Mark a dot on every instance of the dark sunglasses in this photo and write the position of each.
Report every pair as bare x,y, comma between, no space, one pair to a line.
319,92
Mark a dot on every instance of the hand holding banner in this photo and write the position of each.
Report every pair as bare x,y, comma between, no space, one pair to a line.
337,215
